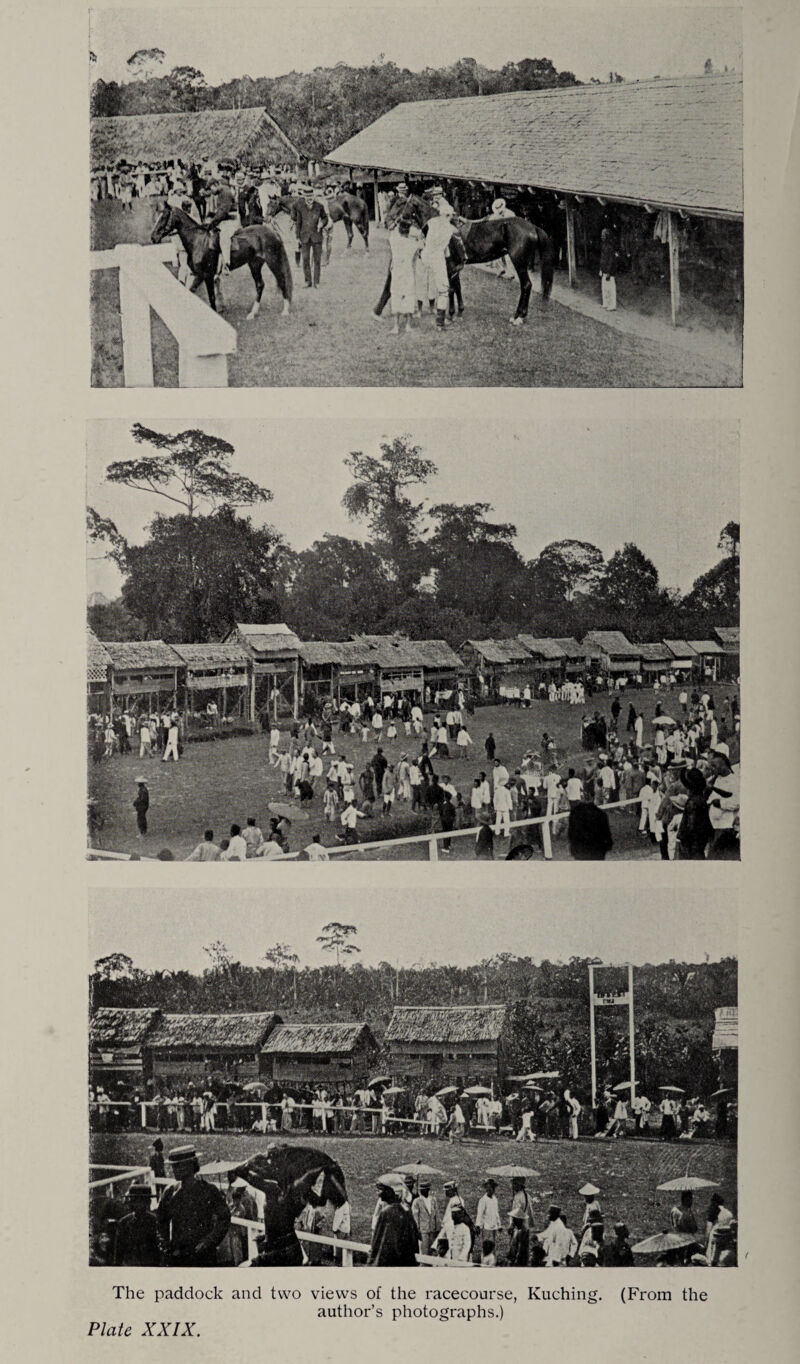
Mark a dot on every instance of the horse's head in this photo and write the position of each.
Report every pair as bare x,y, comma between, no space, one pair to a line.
164,223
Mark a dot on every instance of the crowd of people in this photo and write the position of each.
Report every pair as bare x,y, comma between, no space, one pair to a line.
679,777
199,1223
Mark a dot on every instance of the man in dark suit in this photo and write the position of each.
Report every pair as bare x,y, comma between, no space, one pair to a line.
588,831
310,220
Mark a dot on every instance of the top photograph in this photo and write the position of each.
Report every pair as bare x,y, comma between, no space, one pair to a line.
346,200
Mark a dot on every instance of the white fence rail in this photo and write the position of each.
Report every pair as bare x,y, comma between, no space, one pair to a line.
204,339
431,839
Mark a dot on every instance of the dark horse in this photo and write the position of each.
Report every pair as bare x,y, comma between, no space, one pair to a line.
487,239
254,246
285,1175
352,211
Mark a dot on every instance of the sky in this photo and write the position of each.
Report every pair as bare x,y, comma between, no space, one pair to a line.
167,930
638,41
669,486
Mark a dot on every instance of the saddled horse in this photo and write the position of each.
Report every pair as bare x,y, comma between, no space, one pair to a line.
285,1174
254,246
488,239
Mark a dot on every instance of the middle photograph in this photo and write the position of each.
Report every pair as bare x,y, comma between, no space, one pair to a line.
471,641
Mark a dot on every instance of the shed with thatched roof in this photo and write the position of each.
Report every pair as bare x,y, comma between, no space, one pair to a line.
499,664
728,636
378,664
244,136
316,1053
616,653
144,671
118,1044
217,682
449,1044
709,656
274,653
98,675
192,1047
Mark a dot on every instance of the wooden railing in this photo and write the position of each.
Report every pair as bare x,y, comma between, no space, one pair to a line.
204,339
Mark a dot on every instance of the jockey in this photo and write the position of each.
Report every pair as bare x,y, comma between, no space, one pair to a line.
224,217
504,267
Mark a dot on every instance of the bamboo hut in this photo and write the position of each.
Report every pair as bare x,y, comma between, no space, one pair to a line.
454,1045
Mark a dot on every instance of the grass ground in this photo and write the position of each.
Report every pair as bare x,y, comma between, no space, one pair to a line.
626,1172
332,339
229,780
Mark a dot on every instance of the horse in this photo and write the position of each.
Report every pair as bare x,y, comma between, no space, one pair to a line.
487,239
285,1174
254,246
350,210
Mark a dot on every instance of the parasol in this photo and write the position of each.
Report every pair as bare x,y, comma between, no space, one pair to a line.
255,1087
418,1168
392,1181
394,1089
625,1084
664,1241
545,1075
379,1080
686,1183
448,1089
478,1092
219,1167
512,1172
537,1089
664,720
287,811
720,1093
671,1089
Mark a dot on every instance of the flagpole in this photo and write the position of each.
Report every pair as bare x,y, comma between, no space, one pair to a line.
631,1034
591,1036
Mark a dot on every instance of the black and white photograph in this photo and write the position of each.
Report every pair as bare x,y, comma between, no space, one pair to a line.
272,1085
343,198
340,640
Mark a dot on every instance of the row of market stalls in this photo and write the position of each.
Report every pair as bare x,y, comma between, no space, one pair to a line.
659,162
140,1045
528,660
264,672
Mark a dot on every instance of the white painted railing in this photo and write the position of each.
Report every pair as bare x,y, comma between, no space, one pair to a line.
204,339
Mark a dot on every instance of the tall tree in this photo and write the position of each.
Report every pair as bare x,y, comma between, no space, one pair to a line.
144,63
192,471
379,495
477,569
102,534
729,538
338,587
567,568
280,958
337,939
630,582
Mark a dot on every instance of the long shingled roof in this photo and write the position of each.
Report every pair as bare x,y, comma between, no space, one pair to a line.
672,143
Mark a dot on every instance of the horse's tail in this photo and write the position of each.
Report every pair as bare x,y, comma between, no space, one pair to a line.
548,262
286,272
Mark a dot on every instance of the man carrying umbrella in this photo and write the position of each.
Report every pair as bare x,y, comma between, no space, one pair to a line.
192,1216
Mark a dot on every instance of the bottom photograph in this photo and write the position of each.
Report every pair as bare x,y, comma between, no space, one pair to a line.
412,1078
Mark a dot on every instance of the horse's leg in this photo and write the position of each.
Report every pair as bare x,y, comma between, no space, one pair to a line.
348,227
278,262
328,243
255,267
525,287
363,228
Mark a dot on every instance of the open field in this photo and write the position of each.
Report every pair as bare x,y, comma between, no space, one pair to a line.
626,1172
229,780
332,338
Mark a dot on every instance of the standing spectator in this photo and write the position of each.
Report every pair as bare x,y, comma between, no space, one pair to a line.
141,805
588,831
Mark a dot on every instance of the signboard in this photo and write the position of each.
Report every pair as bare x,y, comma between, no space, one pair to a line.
612,997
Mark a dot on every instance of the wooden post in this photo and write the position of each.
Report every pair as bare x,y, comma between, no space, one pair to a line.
378,219
433,850
674,269
572,264
199,371
547,842
134,311
295,690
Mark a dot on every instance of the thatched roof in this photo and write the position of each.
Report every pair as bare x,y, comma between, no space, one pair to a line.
136,654
679,648
213,655
266,641
437,653
465,1023
571,648
315,1039
397,651
211,135
218,1031
501,650
706,646
653,653
670,143
98,659
543,647
613,643
111,1028
728,636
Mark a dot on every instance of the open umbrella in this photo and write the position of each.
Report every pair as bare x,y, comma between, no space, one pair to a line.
442,1093
671,1089
392,1181
520,1079
664,1241
379,1080
287,811
512,1172
256,1087
219,1167
418,1168
478,1092
664,720
720,1093
545,1075
394,1089
687,1182
537,1089
624,1084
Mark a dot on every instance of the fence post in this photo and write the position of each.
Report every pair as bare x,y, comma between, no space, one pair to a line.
433,850
547,842
347,1258
201,371
264,1115
134,311
143,1107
